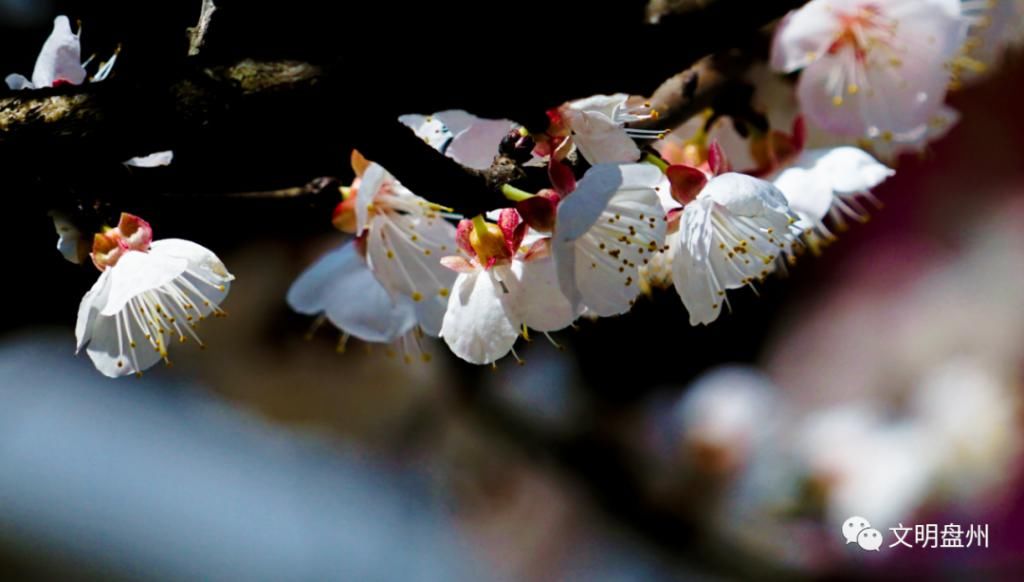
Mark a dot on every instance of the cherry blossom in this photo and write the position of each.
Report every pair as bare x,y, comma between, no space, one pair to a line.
605,230
405,236
596,126
149,293
827,182
503,288
59,61
341,286
730,232
871,69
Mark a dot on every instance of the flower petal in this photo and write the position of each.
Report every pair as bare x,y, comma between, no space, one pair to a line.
89,309
341,286
153,160
603,230
745,195
137,272
851,170
111,350
542,305
808,193
804,35
581,209
16,82
600,140
476,146
60,58
480,325
370,183
404,251
200,258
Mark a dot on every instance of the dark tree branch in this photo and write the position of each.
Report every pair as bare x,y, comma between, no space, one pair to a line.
108,122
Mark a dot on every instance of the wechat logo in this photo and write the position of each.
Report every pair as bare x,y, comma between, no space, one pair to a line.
858,530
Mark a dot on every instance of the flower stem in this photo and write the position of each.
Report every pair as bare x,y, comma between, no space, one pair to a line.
657,161
515,194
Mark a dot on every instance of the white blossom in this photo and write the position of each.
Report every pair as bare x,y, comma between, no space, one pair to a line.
504,288
827,182
149,295
59,61
405,238
605,230
729,236
597,127
871,69
342,287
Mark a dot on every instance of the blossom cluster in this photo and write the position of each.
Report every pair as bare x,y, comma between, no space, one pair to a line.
716,204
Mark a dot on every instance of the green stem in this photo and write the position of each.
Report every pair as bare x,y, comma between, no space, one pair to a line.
657,161
515,194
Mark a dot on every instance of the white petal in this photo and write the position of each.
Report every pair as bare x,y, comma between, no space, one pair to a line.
581,209
372,181
200,258
404,252
543,307
137,272
111,352
696,288
600,139
60,57
341,286
153,160
744,195
206,273
430,128
851,170
477,145
480,325
469,140
89,308
719,250
457,120
16,82
808,193
811,184
603,104
803,36
915,140
603,230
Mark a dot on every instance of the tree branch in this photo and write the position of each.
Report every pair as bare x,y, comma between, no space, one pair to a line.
197,33
211,108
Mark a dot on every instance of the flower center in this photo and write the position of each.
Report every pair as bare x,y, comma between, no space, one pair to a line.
861,30
131,234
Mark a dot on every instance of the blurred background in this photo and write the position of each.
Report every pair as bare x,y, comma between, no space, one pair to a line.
881,379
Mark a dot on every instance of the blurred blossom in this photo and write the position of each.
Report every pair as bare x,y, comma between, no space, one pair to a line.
921,420
859,463
970,413
725,416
